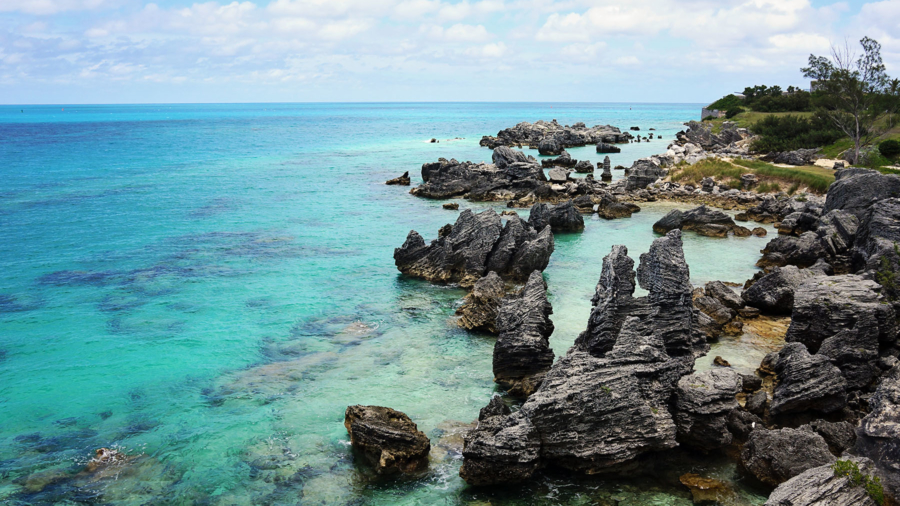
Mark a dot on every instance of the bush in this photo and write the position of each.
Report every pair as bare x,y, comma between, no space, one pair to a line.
787,133
734,111
889,148
725,103
851,470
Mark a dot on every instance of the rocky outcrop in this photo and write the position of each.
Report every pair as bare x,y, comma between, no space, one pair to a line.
705,399
774,292
597,411
775,456
511,176
879,432
806,382
700,134
602,148
480,307
773,209
561,218
798,157
821,486
642,173
563,160
702,220
877,245
402,180
531,135
584,167
476,244
522,354
549,146
854,190
387,439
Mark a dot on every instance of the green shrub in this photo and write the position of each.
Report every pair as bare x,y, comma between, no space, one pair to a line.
889,148
787,133
725,103
872,484
734,111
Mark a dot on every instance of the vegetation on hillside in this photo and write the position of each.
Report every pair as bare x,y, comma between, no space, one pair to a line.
788,133
771,177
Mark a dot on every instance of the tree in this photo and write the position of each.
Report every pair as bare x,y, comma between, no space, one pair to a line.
851,88
891,100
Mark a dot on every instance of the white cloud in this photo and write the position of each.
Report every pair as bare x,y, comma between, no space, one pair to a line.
457,33
47,7
488,51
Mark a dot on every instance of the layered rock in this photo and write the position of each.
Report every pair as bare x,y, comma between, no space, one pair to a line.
775,456
584,167
511,176
797,157
563,160
854,190
522,354
703,220
876,246
476,244
705,400
561,218
531,134
774,292
879,432
387,439
806,382
821,486
643,172
700,134
480,307
597,413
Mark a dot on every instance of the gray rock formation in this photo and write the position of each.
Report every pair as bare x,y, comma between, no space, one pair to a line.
840,436
531,134
480,307
879,432
700,134
387,439
775,456
402,180
584,167
561,217
799,157
820,487
878,237
642,173
522,354
702,220
774,292
602,147
854,190
511,176
597,413
725,295
520,250
563,160
549,146
705,400
806,382
802,251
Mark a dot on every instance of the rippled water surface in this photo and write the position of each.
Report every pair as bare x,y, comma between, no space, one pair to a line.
208,287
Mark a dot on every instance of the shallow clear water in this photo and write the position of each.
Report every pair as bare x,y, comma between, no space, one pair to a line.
208,287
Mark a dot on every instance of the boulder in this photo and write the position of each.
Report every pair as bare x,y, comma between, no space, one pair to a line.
602,147
584,167
402,180
563,160
479,308
724,295
774,292
806,382
879,432
703,220
705,400
802,251
561,217
821,486
549,146
854,190
522,354
775,456
706,490
642,173
451,206
799,157
531,134
707,185
515,177
878,237
558,175
840,436
504,157
387,439
797,223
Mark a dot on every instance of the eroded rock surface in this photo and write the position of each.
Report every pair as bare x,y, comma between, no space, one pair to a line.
703,220
879,432
705,400
480,307
820,487
387,438
775,456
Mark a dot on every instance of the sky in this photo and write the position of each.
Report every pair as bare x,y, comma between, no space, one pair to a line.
171,51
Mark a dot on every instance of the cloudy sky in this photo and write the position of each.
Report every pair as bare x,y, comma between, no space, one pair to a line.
105,51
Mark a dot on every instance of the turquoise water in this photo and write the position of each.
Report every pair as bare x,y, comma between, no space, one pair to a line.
207,287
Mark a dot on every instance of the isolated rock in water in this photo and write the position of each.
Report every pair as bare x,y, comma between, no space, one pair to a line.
879,432
703,220
806,383
704,401
531,134
775,456
105,457
480,307
520,250
706,490
595,414
504,157
854,190
549,146
642,173
774,292
878,237
514,178
522,354
584,167
387,438
561,218
820,487
826,305
402,180
602,147
460,256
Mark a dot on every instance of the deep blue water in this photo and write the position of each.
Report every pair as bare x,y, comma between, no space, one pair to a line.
207,287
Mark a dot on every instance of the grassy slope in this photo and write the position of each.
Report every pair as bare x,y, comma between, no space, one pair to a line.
772,178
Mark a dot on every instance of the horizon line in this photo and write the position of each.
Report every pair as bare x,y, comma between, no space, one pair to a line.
339,102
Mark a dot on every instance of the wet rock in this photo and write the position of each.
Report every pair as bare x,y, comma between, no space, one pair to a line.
451,206
105,457
561,218
480,307
387,438
402,180
706,490
854,190
879,432
584,167
759,232
704,401
820,487
721,362
522,354
774,292
501,450
775,456
827,305
806,382
496,407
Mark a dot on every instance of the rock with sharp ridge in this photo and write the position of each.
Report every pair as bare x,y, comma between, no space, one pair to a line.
402,180
820,486
388,439
480,307
877,245
855,190
522,353
774,292
520,250
642,173
806,382
703,220
512,176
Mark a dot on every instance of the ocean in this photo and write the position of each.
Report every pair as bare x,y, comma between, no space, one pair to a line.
208,287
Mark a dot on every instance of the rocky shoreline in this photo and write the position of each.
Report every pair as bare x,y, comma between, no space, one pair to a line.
818,418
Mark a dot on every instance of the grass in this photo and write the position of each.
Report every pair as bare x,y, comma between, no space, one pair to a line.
747,119
817,179
710,167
